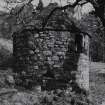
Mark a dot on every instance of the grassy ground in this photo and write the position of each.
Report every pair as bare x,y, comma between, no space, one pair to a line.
97,82
10,96
20,96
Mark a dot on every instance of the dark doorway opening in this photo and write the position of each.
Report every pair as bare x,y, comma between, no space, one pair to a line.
78,43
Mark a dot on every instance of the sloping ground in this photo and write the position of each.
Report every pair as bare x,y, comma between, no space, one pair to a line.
97,83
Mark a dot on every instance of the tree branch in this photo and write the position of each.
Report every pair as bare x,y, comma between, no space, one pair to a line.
58,8
99,9
30,1
20,10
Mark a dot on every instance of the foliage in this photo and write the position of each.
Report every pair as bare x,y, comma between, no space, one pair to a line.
55,97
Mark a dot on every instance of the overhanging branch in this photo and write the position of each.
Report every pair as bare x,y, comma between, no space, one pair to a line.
58,8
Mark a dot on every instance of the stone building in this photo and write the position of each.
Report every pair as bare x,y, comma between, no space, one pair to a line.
59,47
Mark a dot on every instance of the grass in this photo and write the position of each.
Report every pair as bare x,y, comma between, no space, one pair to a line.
97,82
58,97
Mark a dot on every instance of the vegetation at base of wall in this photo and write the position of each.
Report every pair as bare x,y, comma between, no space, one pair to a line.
36,97
58,97
11,94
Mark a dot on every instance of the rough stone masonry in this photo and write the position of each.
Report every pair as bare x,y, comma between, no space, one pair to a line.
37,52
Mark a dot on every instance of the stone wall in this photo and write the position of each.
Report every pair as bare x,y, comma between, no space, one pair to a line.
37,52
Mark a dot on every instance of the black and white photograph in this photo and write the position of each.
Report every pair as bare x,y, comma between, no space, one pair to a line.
52,52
